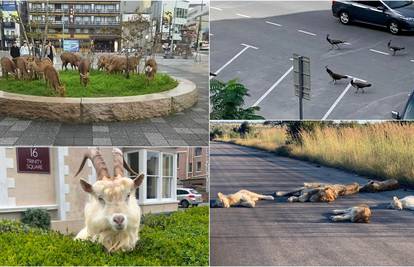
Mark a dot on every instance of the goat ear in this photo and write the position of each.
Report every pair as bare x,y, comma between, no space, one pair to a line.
138,180
87,187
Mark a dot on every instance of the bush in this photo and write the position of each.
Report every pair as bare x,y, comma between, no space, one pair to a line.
36,218
180,238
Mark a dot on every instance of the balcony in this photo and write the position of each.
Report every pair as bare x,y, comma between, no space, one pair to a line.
77,10
81,24
9,24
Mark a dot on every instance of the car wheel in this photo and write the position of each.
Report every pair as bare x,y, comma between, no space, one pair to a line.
393,27
185,204
344,17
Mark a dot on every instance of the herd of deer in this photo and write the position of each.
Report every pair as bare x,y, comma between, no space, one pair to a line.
30,67
319,192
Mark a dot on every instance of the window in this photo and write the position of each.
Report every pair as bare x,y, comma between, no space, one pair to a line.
152,174
198,166
198,151
182,192
178,161
167,172
133,161
190,167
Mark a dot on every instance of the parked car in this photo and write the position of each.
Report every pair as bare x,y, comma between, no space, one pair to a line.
188,196
408,111
396,16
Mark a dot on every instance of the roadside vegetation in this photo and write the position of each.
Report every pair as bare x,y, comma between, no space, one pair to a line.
180,238
101,84
378,150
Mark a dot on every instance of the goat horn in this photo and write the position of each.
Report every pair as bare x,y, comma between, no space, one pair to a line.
118,162
98,163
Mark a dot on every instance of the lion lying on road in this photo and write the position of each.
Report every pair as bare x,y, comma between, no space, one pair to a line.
404,203
357,214
243,198
319,192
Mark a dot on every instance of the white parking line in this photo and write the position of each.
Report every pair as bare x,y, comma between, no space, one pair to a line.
275,24
233,58
336,102
242,15
308,33
412,60
216,8
379,52
273,87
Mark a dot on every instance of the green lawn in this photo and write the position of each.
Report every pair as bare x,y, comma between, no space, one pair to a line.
101,84
177,239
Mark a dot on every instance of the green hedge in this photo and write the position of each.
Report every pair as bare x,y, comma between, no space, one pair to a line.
177,239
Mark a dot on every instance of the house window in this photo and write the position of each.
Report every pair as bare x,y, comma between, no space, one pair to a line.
178,161
167,175
190,167
198,166
198,151
133,161
152,174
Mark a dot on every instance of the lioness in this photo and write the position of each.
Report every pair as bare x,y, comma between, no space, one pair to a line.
404,203
357,214
243,198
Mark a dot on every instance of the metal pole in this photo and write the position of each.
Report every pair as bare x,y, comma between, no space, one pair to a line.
172,35
300,87
198,33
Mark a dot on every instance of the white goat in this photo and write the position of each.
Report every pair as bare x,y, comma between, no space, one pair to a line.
112,215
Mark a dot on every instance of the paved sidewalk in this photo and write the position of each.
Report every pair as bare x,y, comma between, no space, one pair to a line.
181,129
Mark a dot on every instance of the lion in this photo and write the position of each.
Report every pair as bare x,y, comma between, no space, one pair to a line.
243,198
357,214
403,203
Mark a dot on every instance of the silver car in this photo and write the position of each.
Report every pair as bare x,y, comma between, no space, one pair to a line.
188,196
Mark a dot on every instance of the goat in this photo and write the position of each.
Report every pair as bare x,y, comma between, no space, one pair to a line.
112,215
7,65
84,67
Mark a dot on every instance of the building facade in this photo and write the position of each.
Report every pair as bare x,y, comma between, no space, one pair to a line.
10,30
44,178
94,23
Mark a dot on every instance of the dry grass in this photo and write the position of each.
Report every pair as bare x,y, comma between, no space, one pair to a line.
383,150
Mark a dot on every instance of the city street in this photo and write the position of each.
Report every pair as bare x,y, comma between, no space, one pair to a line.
189,127
254,42
282,233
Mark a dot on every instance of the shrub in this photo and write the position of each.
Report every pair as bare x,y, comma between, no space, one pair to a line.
180,238
36,218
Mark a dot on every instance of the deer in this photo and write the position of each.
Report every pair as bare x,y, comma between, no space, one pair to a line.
69,58
84,67
8,66
150,69
52,78
112,215
38,66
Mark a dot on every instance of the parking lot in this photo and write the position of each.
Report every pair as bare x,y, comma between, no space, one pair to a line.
255,41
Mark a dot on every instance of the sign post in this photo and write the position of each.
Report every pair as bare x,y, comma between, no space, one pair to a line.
301,80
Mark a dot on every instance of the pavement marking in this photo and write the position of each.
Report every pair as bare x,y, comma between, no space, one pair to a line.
272,23
308,33
273,87
336,102
233,58
242,15
216,8
412,60
379,52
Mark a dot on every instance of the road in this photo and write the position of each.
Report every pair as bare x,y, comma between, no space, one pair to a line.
281,233
261,37
189,127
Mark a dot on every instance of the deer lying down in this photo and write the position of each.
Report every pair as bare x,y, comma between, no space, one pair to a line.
112,215
243,198
404,203
357,214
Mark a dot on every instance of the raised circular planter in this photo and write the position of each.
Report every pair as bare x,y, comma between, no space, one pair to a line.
100,109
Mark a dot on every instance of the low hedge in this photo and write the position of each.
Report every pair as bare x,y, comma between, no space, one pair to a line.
180,238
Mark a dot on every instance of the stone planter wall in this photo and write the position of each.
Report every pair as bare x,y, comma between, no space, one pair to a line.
85,110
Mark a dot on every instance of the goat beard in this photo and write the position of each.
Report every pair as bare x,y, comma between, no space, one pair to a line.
120,240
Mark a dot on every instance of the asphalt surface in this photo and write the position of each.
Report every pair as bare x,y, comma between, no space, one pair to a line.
280,28
282,233
189,127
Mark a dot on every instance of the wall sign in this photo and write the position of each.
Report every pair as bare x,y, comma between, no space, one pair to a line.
33,160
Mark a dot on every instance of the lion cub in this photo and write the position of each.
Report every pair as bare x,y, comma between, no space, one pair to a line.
243,198
357,214
404,203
